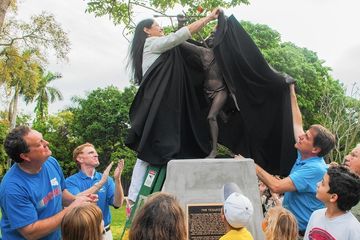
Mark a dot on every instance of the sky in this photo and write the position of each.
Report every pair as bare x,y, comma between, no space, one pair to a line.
98,53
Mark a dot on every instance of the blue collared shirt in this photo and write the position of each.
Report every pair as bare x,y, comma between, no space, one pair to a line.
305,174
79,182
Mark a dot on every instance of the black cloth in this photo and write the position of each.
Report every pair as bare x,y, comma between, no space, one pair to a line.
167,116
263,128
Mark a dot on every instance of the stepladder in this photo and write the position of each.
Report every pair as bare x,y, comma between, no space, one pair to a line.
153,182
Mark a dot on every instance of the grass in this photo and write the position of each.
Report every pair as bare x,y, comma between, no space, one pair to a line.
118,219
117,222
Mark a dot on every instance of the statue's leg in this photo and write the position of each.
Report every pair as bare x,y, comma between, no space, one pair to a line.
217,104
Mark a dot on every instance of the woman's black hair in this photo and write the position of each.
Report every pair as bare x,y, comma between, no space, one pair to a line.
137,48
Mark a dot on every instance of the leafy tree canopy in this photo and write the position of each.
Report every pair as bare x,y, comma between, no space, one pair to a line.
20,70
122,12
313,78
24,47
57,130
41,34
102,119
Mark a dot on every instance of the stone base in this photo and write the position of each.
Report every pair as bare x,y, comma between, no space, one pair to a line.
201,180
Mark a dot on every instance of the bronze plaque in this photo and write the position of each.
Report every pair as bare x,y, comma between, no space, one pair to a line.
204,221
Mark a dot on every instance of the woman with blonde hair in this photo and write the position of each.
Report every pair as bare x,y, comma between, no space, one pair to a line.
83,222
160,218
280,224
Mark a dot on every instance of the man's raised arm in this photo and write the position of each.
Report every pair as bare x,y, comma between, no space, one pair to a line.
296,114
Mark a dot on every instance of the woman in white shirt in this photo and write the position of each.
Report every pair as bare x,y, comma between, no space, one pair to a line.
149,43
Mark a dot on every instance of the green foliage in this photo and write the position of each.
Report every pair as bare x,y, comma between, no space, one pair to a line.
46,94
102,119
20,76
313,79
342,116
4,129
23,50
129,156
121,12
117,10
20,71
41,34
23,119
264,37
57,130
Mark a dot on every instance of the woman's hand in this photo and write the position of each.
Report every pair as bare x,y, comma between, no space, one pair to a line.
215,13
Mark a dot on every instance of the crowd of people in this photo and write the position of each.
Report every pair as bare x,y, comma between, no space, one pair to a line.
34,192
35,198
37,202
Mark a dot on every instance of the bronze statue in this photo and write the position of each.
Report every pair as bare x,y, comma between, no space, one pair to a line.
214,87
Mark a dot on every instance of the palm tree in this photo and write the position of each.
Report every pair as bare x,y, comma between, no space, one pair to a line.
46,94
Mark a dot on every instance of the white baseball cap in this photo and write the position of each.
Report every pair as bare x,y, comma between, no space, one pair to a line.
238,209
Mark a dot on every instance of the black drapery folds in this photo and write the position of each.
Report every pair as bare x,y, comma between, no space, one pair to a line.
263,128
168,115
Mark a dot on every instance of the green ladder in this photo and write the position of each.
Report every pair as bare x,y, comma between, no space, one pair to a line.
153,182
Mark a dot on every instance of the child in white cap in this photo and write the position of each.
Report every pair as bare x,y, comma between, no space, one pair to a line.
236,213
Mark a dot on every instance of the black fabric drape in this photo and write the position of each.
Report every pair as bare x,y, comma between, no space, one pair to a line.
167,115
263,128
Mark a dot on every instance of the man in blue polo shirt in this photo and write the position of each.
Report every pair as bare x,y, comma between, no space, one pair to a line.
300,186
88,180
32,192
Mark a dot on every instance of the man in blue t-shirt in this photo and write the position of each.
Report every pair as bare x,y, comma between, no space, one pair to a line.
91,181
300,186
33,189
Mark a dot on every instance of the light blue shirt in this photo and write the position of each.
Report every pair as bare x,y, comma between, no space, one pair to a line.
305,174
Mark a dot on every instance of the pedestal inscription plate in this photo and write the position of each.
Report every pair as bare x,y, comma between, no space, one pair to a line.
200,181
204,221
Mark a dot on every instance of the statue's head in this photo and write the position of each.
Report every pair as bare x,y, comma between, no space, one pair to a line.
210,40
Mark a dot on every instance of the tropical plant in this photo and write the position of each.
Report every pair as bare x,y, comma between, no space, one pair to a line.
46,94
20,73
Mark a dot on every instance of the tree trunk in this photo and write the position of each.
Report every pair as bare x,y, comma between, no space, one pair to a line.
13,109
4,5
13,115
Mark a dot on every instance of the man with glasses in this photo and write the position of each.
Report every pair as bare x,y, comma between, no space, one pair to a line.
32,192
88,180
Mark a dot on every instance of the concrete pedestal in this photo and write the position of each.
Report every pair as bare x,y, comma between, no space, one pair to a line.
201,180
